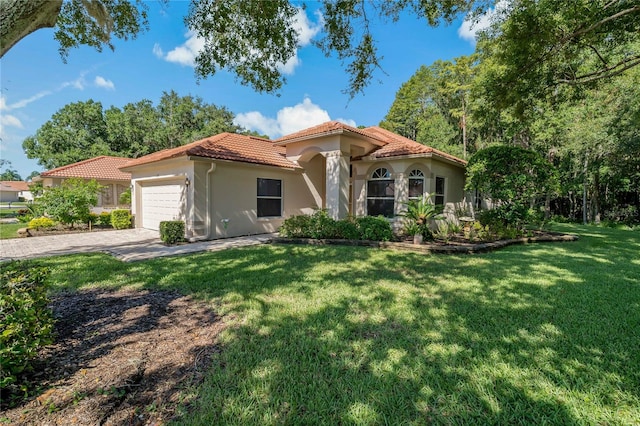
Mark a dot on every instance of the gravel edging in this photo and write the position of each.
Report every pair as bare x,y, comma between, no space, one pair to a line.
459,248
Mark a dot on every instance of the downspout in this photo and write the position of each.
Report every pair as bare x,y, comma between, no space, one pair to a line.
207,234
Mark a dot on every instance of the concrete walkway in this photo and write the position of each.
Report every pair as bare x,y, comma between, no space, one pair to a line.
127,245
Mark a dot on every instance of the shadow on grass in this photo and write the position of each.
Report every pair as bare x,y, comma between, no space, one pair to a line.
342,335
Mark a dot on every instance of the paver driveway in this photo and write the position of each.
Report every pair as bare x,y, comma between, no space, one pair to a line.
127,245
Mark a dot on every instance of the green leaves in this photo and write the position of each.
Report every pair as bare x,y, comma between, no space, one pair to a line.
512,177
71,202
251,38
93,23
25,320
82,130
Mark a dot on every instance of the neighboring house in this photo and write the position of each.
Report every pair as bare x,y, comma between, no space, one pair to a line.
230,184
104,169
14,190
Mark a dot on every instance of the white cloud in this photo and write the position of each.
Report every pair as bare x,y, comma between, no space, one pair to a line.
186,53
157,50
347,121
256,121
9,120
288,119
472,26
24,102
306,29
104,83
301,116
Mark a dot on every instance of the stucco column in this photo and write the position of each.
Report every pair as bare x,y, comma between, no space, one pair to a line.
337,184
401,193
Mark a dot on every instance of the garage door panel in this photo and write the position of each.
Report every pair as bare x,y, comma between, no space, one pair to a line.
160,203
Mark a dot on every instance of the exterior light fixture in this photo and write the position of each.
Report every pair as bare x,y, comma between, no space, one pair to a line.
186,181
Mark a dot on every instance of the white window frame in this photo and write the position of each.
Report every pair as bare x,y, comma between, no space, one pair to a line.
416,174
382,174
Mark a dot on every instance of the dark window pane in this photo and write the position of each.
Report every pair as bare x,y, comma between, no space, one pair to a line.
378,206
269,207
439,185
380,188
439,200
269,187
416,187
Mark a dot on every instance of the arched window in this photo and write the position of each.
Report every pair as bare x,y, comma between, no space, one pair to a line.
416,184
380,193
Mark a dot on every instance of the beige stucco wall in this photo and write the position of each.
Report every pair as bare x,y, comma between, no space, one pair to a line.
400,169
233,197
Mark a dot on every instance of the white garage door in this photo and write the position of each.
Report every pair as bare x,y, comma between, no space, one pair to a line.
161,202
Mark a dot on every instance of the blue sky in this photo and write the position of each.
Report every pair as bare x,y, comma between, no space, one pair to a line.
35,83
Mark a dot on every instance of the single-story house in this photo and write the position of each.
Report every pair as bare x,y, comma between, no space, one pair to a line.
14,190
230,184
104,169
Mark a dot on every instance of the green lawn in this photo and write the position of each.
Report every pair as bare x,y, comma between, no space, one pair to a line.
9,230
543,333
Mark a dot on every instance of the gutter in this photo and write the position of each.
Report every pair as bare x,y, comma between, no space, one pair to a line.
207,234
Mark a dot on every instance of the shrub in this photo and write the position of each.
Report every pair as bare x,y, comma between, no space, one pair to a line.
320,226
172,231
71,202
346,229
25,320
93,218
121,219
373,228
41,223
297,226
104,218
125,197
418,216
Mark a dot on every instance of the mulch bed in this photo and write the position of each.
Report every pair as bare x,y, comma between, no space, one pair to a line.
61,230
120,358
449,247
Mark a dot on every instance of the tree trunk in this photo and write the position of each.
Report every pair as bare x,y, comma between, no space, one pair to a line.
584,192
22,17
595,198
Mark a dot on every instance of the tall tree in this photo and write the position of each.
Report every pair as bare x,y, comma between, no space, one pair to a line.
538,45
9,173
76,132
433,106
541,42
83,130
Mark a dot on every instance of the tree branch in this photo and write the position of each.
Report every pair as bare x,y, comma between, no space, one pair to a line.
611,71
22,17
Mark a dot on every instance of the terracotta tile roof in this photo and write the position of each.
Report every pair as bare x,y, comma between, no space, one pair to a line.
103,168
225,146
327,128
397,145
14,185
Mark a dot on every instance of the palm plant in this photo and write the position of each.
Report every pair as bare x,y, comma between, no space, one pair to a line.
418,214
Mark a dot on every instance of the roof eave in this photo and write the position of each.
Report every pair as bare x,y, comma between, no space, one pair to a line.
374,141
373,158
294,168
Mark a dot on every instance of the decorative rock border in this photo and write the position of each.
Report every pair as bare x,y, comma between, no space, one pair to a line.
458,248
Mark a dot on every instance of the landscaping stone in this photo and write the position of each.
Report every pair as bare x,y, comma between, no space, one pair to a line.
434,247
24,232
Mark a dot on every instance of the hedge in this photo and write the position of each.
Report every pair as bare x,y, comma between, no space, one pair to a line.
320,226
172,231
26,323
